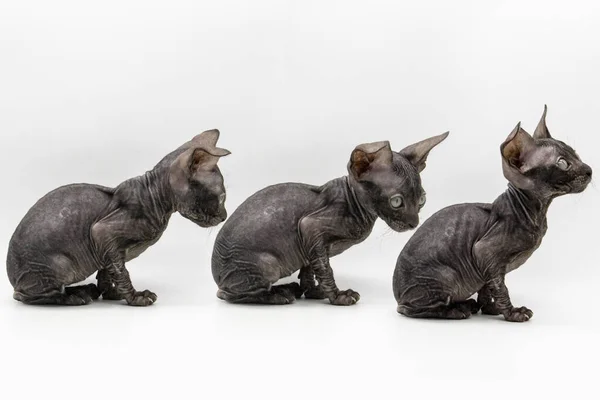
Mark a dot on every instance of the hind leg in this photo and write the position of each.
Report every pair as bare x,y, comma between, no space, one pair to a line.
262,297
39,283
289,290
247,283
422,301
451,311
276,295
52,294
84,291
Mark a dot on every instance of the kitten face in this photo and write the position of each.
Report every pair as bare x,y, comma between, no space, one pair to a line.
203,202
391,181
197,182
543,164
556,168
396,194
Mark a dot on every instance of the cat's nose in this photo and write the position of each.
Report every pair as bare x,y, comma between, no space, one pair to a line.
588,171
412,222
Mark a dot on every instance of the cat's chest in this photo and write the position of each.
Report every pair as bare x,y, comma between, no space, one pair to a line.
349,237
134,250
339,246
526,247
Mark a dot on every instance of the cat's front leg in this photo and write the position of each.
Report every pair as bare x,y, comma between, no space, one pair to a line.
485,301
499,292
324,275
308,285
111,236
123,286
314,239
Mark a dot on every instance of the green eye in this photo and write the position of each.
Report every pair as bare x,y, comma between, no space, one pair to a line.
563,164
396,201
423,200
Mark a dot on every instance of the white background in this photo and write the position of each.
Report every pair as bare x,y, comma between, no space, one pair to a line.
99,93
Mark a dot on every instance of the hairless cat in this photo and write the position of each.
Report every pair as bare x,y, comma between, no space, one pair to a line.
292,226
78,229
468,248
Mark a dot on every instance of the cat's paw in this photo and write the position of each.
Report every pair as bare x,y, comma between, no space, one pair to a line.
345,298
518,314
469,306
142,299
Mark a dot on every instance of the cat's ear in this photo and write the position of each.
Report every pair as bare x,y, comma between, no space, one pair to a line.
207,138
417,153
541,132
369,156
515,150
205,154
195,159
203,159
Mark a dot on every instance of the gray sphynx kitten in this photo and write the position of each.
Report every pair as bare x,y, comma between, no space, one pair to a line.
292,226
78,229
469,248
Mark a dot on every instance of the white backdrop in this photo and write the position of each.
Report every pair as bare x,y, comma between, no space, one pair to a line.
100,92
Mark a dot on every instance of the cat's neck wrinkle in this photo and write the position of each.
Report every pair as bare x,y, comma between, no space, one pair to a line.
528,207
160,193
355,204
151,195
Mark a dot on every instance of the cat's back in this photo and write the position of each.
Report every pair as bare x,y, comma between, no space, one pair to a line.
451,228
277,206
62,214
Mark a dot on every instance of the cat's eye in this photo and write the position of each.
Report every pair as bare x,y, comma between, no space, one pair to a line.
222,197
423,200
563,164
396,201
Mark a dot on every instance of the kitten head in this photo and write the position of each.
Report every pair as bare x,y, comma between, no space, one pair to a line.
390,181
197,183
542,164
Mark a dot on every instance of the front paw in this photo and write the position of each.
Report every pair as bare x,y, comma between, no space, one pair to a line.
518,314
345,298
141,299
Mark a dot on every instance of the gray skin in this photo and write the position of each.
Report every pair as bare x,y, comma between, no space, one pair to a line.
79,229
293,226
469,248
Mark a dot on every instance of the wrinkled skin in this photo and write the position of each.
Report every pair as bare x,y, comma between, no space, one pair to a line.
292,226
79,229
469,248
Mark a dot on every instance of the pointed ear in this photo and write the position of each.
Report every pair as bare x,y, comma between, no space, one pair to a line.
201,159
417,153
514,151
369,156
207,138
541,132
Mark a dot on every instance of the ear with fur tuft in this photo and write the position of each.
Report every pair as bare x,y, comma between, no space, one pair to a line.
514,150
417,153
367,156
541,132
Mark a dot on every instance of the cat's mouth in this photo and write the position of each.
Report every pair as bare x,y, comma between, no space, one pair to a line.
579,186
204,221
399,226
